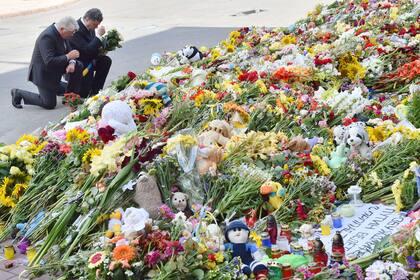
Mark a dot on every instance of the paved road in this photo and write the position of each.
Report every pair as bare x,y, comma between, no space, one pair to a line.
146,26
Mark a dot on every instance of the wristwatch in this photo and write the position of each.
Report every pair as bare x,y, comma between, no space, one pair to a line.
72,61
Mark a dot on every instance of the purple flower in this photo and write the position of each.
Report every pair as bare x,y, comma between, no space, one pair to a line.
23,245
152,258
166,211
359,271
160,120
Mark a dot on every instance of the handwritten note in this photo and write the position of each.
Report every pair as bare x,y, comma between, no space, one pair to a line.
370,224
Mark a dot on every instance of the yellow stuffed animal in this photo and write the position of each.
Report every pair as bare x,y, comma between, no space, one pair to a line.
275,192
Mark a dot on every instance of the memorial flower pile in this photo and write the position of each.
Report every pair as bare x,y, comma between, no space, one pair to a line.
291,133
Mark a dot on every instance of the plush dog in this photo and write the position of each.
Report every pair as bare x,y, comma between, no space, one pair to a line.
190,54
339,134
358,140
118,115
147,195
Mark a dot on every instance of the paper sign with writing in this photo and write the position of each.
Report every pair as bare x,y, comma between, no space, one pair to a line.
370,224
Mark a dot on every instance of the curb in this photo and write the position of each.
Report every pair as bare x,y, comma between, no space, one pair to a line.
37,10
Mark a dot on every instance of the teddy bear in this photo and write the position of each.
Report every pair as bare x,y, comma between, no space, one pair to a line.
147,195
358,140
236,235
180,201
118,115
298,144
211,142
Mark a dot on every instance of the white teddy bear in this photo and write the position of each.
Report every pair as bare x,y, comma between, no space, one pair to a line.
358,140
118,115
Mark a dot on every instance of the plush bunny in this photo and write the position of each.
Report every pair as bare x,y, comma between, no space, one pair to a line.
236,235
147,195
118,115
358,140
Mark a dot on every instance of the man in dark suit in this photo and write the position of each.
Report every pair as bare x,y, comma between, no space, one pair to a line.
89,45
52,57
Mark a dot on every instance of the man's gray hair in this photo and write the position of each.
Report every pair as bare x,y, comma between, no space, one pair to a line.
68,23
94,14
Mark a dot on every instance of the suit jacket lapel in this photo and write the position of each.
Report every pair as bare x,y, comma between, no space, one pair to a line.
85,32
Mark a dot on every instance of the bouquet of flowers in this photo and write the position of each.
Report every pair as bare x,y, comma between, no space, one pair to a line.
111,41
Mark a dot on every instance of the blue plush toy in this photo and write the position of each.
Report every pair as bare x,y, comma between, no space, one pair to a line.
161,89
236,235
338,157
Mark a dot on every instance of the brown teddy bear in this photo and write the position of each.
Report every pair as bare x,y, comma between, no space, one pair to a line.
211,143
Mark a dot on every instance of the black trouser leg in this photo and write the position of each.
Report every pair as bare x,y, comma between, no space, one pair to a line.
45,99
75,79
102,66
86,87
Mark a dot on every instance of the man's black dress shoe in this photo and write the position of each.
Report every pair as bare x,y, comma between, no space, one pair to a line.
16,99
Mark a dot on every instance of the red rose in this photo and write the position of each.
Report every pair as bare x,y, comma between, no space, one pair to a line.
248,76
106,133
131,75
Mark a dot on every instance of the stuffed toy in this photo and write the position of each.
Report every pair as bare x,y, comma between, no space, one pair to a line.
338,157
236,235
358,140
306,230
218,132
155,59
180,201
209,155
160,90
118,115
275,193
114,223
190,54
213,236
147,195
298,144
312,142
339,134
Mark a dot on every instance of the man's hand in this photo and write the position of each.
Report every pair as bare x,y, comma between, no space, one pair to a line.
73,54
70,68
100,31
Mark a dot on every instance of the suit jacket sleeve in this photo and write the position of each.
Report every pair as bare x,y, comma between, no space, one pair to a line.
48,53
89,50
